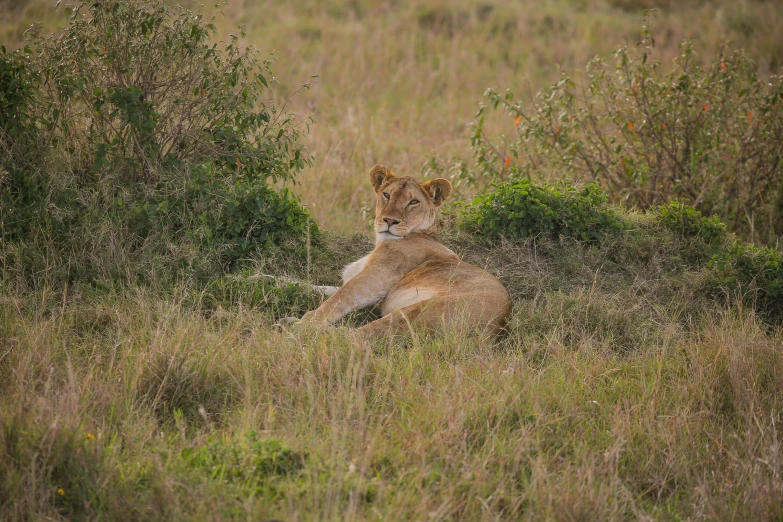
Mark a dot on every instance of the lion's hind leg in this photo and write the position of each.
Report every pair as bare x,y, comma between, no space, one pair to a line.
404,320
438,312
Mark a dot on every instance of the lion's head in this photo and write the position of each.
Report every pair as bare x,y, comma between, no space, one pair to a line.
403,204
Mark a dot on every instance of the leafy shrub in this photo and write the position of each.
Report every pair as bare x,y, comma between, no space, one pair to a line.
251,460
709,135
19,194
520,209
18,188
235,217
151,137
257,215
755,272
259,466
139,86
686,233
689,223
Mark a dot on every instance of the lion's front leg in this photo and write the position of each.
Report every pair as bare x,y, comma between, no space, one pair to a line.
365,289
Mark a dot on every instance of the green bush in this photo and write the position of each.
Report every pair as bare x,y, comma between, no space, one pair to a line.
20,195
236,218
256,215
249,461
18,187
150,137
137,86
697,237
756,273
520,209
708,135
689,223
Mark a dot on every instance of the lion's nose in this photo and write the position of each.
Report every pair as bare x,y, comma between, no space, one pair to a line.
391,221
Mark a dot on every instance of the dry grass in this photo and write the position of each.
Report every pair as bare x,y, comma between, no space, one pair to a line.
399,82
141,408
620,392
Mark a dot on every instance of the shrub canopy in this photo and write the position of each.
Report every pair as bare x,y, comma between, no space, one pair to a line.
520,209
710,135
133,127
138,86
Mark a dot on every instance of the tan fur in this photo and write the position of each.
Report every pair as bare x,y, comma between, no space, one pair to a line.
415,279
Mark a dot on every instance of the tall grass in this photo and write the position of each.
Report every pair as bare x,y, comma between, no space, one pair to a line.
141,408
621,390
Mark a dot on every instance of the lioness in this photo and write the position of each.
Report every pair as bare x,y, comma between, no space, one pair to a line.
416,280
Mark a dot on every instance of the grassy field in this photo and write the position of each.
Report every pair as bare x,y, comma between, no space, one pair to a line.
623,391
629,386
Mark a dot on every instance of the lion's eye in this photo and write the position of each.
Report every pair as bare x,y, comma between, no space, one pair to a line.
414,202
386,195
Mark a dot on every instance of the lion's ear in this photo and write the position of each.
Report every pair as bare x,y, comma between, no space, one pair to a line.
438,189
380,175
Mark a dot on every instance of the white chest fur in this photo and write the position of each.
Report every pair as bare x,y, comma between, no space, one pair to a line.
352,270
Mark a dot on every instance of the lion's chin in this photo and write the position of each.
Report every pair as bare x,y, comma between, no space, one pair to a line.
386,236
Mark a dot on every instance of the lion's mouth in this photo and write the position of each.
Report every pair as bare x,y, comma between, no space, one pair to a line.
386,232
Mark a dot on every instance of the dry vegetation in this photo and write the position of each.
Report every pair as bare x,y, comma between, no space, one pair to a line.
625,390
